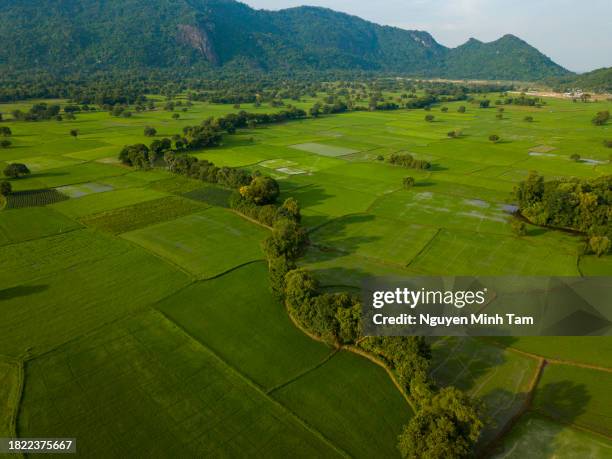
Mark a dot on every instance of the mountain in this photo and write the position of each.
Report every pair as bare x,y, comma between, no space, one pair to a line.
599,80
71,35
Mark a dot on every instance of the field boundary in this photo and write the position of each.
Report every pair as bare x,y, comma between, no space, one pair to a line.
551,360
362,353
255,386
305,372
526,406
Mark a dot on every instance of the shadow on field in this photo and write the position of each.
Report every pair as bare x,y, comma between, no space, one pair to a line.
438,167
48,174
21,290
563,400
424,183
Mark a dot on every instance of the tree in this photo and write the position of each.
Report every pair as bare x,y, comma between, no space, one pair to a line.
16,170
484,103
135,155
300,289
290,209
494,138
5,143
575,157
287,239
74,133
528,119
454,134
429,118
446,426
444,109
461,109
5,188
5,131
176,116
262,190
601,118
150,131
607,143
408,182
278,267
600,245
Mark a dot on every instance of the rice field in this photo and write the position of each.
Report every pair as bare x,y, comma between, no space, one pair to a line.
151,302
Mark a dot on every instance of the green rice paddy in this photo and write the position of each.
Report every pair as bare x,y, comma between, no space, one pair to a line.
139,300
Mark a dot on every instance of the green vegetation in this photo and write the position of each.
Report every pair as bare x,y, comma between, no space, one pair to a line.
202,36
193,241
577,396
152,295
143,214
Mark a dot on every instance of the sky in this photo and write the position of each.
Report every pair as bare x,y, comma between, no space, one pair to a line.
575,34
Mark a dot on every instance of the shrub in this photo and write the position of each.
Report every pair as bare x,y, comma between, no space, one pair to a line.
5,143
600,245
528,119
408,182
461,109
575,157
519,227
150,131
16,170
5,188
494,138
429,118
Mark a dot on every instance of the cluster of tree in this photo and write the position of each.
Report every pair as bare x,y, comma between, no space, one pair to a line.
446,422
407,160
16,170
38,112
206,171
267,214
524,100
573,203
601,118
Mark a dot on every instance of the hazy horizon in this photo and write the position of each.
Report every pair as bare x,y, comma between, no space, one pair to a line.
561,29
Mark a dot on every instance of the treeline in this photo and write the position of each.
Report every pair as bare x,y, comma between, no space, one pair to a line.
446,422
583,205
407,160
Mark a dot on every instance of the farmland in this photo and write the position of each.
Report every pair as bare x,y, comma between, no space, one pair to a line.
140,299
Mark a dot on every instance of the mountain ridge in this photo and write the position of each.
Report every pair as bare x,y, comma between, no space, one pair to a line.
66,35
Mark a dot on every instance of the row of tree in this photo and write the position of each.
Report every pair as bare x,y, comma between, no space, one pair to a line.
407,160
446,422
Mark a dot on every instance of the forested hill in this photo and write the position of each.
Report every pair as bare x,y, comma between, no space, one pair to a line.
88,35
599,80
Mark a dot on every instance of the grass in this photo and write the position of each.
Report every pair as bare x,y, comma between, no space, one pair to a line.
103,202
73,284
472,253
237,317
32,223
590,350
354,402
79,299
574,395
142,214
194,242
34,198
213,195
10,393
144,379
498,377
535,437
